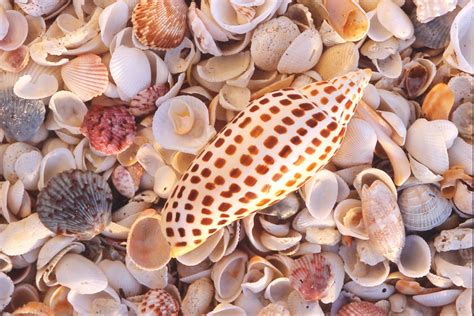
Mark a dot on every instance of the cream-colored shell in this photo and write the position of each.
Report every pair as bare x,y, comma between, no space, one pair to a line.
227,276
415,258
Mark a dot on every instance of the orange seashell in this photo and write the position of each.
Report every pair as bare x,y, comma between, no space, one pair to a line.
409,287
312,276
86,76
438,102
34,308
361,309
347,18
158,303
160,24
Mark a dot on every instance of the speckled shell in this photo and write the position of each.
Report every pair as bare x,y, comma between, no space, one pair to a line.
160,24
144,102
267,151
20,118
110,129
312,276
158,303
75,203
361,309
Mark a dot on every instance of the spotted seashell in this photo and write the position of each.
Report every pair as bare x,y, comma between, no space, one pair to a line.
361,309
110,130
312,276
20,118
266,152
75,203
144,102
158,303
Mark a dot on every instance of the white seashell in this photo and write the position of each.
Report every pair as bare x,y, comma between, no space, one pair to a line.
226,15
427,10
180,58
377,31
394,19
234,98
298,306
6,288
22,236
460,153
439,281
348,218
119,278
55,162
278,290
358,145
51,248
380,50
198,297
371,96
42,86
423,207
329,36
182,123
165,179
422,173
369,176
219,69
453,239
27,168
153,279
68,110
390,67
112,20
436,299
127,63
398,303
87,277
323,236
415,259
320,193
159,69
17,30
275,243
372,293
227,276
451,265
10,156
367,253
464,303
302,54
85,303
224,309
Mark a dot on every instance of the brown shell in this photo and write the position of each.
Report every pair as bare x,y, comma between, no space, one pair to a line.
160,24
144,102
361,309
158,303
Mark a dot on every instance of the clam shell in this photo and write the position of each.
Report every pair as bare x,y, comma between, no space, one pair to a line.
55,162
24,293
302,54
86,303
361,309
86,76
160,24
227,275
347,18
87,277
423,208
338,60
298,306
369,176
110,130
10,155
223,309
180,58
17,31
427,10
51,248
83,193
20,119
69,110
415,258
153,279
7,288
383,220
390,67
436,299
376,30
271,40
144,102
198,297
417,76
349,220
320,193
278,290
394,19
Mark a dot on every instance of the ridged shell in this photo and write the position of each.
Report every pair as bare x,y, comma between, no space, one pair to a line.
361,309
435,33
266,132
312,276
383,220
160,24
86,76
76,203
20,118
144,102
338,60
423,207
110,130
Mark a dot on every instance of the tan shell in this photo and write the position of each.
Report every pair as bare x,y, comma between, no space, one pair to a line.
198,297
438,102
347,18
15,60
337,60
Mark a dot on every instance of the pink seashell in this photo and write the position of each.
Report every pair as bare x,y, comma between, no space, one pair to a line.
361,309
158,303
144,102
312,276
124,182
86,76
110,130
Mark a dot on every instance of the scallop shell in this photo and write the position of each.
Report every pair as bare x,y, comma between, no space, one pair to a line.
427,10
75,192
17,31
347,18
394,19
361,309
86,76
110,130
302,54
20,119
415,258
338,60
435,33
160,24
423,208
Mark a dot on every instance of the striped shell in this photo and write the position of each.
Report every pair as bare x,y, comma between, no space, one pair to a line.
158,303
75,203
361,309
266,152
160,24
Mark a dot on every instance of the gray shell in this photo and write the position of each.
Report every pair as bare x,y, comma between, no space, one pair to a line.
76,203
434,34
20,118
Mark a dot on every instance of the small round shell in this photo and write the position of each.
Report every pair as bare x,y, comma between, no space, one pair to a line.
76,203
110,130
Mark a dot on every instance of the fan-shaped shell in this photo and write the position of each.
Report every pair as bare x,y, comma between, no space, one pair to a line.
76,203
20,119
435,33
338,60
160,24
423,208
361,309
86,76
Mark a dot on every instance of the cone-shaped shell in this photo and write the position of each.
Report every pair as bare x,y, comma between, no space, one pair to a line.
160,24
86,76
361,309
76,203
20,119
383,220
261,151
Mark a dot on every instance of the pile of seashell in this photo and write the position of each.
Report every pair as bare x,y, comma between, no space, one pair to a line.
106,108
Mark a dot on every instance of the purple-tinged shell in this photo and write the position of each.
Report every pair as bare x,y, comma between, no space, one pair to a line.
144,102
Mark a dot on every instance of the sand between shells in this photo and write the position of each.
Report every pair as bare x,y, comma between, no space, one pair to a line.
112,204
